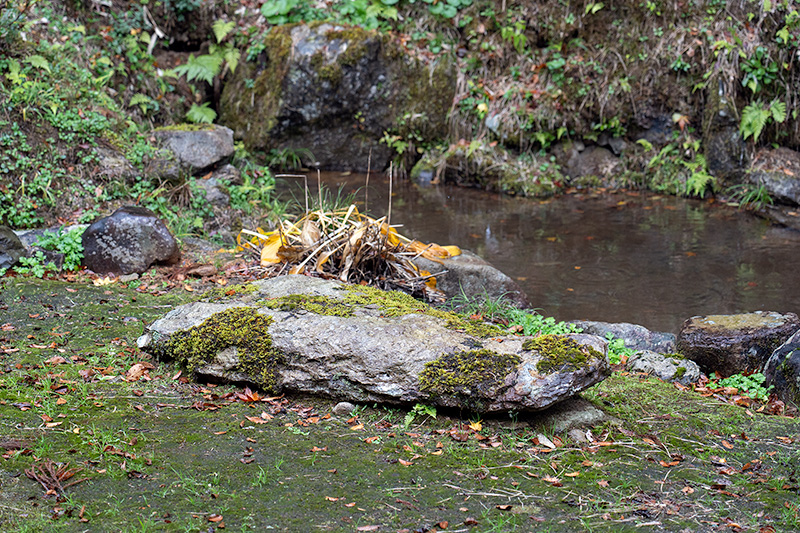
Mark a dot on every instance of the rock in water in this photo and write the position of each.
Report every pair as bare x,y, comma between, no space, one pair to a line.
360,344
128,241
732,344
783,370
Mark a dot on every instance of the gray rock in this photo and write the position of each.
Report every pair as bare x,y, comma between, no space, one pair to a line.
725,150
593,161
215,195
684,371
470,275
657,130
336,90
733,344
783,370
198,150
374,355
343,408
113,165
129,240
636,337
11,248
778,171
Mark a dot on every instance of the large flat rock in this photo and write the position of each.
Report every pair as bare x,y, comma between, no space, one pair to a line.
302,334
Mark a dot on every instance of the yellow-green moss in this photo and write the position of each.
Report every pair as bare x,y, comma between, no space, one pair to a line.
560,353
242,327
679,372
222,293
186,127
395,303
331,72
314,304
356,39
475,374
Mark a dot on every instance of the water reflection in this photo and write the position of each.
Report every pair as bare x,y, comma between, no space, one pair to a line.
625,257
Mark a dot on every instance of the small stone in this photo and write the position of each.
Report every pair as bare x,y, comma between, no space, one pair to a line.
125,278
343,409
683,371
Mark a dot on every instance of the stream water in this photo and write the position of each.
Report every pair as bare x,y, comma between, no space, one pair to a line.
617,257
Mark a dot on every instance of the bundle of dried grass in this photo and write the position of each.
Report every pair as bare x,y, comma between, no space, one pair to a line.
347,245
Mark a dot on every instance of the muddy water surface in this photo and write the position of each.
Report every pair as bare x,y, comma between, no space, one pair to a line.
623,257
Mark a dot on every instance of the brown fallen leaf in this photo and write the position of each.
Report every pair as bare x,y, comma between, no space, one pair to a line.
137,371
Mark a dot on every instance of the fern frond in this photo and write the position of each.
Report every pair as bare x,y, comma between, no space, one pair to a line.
222,29
754,118
203,67
201,114
778,110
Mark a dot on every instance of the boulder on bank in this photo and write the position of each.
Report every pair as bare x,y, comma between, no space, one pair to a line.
360,344
733,344
634,336
470,275
336,90
783,370
128,241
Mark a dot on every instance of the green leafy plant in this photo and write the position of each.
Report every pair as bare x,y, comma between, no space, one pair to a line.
617,349
35,265
288,158
759,70
751,386
536,324
756,116
417,411
751,196
515,34
69,244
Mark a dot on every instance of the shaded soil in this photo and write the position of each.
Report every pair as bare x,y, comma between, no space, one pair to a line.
160,453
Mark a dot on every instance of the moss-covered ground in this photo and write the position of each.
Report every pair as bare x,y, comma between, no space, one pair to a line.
157,452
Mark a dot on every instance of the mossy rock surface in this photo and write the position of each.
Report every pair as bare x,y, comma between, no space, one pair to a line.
336,90
302,334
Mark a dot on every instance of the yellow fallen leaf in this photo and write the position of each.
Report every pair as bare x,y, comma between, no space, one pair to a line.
476,426
269,253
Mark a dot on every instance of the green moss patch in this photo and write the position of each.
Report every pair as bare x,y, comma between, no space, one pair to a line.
242,327
474,374
314,304
560,353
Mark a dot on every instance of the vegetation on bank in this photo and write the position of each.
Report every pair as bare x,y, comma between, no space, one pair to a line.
77,80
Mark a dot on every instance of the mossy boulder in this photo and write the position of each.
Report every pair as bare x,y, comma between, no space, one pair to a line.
783,370
361,344
734,344
336,90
